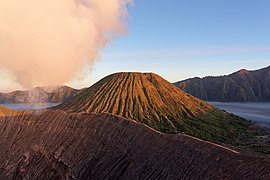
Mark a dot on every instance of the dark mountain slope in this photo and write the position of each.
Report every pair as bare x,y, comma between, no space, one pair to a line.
59,145
151,100
39,95
241,86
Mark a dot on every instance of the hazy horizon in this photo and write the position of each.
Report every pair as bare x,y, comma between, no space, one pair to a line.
22,89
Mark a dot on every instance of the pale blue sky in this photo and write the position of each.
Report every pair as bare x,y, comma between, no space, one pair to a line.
180,39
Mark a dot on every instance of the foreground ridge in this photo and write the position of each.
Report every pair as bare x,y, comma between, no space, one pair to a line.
57,145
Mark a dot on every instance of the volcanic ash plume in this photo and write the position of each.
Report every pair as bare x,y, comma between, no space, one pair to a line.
47,42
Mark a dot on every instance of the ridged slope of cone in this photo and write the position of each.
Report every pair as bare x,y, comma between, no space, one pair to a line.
149,99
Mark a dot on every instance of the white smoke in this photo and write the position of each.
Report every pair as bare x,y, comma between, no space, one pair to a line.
46,42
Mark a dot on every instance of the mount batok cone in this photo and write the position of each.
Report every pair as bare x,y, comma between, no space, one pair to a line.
149,99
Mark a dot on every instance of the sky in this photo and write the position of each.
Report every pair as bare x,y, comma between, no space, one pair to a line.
180,39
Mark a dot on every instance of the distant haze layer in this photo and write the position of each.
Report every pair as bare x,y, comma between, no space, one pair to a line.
48,42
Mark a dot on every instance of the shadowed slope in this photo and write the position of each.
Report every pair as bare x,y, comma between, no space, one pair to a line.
149,99
59,145
241,86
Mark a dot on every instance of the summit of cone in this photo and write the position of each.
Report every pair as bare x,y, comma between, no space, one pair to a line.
149,99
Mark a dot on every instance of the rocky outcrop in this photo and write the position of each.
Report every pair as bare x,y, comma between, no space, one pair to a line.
59,145
39,95
241,86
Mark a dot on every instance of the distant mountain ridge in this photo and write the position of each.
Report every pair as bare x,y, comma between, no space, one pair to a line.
54,94
241,86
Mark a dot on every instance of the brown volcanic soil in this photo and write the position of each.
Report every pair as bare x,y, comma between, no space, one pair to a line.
151,100
59,145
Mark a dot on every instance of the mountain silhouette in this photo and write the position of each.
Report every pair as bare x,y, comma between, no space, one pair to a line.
54,94
241,86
